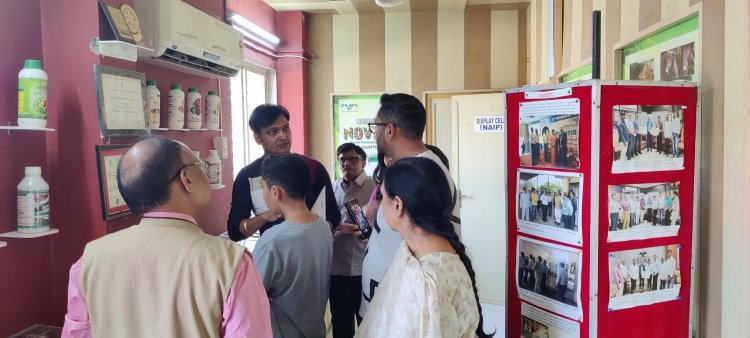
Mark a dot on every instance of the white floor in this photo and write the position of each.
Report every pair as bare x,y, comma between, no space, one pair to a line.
494,319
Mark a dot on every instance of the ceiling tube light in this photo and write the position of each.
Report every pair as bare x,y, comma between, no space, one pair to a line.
389,3
253,31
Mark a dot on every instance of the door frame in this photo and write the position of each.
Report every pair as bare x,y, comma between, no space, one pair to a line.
430,95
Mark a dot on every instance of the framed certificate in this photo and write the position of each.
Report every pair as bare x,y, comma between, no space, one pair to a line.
107,159
121,102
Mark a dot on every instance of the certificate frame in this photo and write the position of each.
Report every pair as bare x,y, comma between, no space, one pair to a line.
120,96
107,158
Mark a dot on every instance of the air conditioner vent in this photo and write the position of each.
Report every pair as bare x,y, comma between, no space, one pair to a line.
173,56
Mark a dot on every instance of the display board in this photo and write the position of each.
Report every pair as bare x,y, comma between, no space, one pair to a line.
350,116
613,184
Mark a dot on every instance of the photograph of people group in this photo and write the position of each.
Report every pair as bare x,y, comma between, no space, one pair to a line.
641,273
643,208
533,329
647,138
549,141
550,200
548,270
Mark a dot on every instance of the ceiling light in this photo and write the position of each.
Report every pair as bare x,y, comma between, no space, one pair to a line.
389,3
253,31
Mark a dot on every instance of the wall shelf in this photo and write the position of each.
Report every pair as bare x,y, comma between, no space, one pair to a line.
17,128
118,49
3,244
16,234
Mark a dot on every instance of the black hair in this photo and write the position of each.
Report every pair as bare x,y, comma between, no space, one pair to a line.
145,185
265,114
412,179
288,171
439,154
406,112
344,147
377,175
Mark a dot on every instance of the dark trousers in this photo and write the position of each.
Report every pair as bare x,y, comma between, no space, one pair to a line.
561,292
344,295
614,219
655,279
659,143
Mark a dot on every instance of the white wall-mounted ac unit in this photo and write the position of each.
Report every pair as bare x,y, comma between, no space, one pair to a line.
188,40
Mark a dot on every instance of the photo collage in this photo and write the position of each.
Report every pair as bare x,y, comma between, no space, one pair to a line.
549,206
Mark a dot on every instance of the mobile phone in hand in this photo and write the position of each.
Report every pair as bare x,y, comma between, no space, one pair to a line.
358,216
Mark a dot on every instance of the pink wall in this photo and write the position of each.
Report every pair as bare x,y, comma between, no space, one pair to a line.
25,265
34,272
292,76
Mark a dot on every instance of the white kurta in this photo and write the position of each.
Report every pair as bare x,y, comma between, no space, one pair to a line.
429,297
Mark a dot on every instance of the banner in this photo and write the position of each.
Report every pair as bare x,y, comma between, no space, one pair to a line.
351,114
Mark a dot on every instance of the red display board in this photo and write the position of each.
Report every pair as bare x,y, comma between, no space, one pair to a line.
601,198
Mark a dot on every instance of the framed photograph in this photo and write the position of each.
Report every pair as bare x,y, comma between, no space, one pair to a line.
107,159
121,102
549,205
643,211
548,276
644,276
549,130
539,323
117,22
647,138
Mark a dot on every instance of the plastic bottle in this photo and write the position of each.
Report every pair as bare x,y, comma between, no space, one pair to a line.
195,116
198,155
176,107
213,110
214,169
32,95
33,202
153,99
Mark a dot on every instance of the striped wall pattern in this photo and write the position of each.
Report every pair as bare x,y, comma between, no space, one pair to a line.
622,20
432,47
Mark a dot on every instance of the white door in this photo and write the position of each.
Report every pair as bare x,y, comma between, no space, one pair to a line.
479,172
442,127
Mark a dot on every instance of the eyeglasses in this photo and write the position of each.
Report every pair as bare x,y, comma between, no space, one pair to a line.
352,160
202,166
374,125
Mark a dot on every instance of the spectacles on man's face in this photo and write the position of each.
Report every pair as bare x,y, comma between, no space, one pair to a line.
351,160
373,126
201,165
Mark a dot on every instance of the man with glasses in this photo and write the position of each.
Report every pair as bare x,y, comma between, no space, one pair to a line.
249,213
348,250
165,277
398,127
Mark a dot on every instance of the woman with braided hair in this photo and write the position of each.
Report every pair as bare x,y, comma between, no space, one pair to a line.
429,289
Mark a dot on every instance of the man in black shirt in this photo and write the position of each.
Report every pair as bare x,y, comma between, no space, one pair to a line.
248,214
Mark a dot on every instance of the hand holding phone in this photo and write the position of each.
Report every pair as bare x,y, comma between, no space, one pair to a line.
358,217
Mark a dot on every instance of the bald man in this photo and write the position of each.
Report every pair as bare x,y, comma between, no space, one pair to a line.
165,277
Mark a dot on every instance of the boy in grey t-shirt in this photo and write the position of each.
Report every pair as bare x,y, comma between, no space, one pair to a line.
294,257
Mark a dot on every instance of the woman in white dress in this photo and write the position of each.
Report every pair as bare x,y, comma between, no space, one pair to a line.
429,289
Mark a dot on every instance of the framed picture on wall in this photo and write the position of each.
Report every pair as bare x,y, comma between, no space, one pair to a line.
350,116
107,159
121,101
117,22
